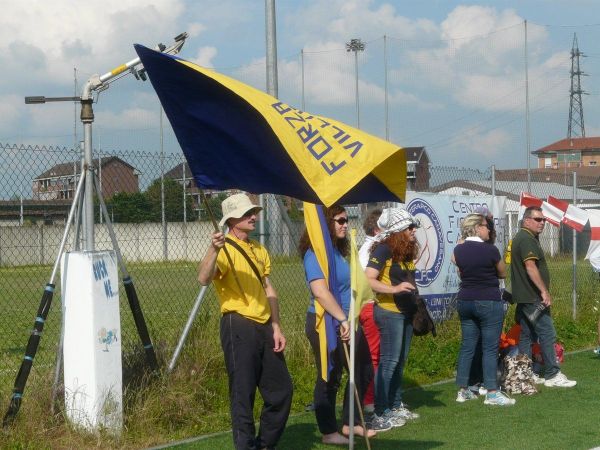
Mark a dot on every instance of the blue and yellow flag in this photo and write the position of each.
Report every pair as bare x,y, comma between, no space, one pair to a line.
318,232
361,289
235,136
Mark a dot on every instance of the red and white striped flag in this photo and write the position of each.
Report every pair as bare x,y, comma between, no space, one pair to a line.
593,253
573,216
552,214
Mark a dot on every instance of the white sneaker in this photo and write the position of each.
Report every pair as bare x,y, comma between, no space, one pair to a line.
499,398
464,395
405,413
478,389
537,379
560,380
395,421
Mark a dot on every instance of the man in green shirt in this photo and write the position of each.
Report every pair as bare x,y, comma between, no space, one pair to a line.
530,281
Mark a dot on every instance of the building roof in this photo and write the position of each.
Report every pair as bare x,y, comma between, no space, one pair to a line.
74,167
586,175
513,189
414,154
175,172
570,144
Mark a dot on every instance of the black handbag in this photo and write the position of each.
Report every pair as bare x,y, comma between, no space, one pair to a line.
422,322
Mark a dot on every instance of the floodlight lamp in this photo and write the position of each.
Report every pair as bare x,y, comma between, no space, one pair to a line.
139,72
36,99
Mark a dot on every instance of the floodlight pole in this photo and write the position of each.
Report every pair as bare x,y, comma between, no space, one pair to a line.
356,45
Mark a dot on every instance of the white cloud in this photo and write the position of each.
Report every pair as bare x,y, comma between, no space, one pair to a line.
130,119
11,112
50,38
204,57
340,20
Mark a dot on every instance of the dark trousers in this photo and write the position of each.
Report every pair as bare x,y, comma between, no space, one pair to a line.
325,392
543,328
251,363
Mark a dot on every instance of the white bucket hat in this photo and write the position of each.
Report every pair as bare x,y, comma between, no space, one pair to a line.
394,220
235,206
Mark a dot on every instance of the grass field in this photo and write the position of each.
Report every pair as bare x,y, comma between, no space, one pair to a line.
552,419
193,399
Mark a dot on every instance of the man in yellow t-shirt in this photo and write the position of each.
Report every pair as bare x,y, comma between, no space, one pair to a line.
251,335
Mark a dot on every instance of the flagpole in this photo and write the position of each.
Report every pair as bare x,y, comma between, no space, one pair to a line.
360,411
352,380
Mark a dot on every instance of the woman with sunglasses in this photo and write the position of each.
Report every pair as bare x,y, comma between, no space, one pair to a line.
325,392
480,308
391,274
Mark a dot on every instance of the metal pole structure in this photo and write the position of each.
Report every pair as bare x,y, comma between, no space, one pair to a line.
163,218
356,45
385,88
100,177
38,326
272,89
574,251
187,328
302,65
184,193
527,130
87,117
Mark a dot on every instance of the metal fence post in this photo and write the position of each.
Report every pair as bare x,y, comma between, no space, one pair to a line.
574,250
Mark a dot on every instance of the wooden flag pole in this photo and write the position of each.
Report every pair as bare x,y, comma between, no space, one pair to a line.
217,229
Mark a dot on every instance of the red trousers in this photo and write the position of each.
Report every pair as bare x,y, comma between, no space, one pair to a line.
372,334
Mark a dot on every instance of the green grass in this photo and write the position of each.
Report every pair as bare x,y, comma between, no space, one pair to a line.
554,418
192,400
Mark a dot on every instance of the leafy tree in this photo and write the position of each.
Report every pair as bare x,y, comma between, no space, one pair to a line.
214,203
173,202
128,208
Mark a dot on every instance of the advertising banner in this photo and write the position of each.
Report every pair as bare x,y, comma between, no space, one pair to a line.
441,215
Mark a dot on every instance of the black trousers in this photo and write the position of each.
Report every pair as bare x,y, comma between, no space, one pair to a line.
251,363
325,392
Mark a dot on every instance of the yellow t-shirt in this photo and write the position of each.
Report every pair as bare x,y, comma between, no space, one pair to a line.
386,301
392,274
255,306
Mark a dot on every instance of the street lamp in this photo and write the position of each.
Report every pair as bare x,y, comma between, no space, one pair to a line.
356,45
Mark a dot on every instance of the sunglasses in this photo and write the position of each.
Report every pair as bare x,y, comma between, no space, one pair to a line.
341,221
538,219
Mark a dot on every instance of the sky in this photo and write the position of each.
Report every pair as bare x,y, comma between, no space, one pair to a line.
455,70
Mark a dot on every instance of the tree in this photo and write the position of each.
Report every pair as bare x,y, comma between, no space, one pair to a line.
173,202
128,208
214,203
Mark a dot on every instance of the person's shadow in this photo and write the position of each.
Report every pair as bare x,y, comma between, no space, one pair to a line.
416,396
305,436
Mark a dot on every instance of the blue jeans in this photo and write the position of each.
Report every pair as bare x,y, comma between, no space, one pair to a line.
396,333
544,329
479,318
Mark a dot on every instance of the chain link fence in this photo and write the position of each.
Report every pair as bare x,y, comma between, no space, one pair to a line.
163,231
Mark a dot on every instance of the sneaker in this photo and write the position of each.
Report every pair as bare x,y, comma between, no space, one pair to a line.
478,389
378,423
394,420
537,379
499,398
464,395
405,413
597,351
560,380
